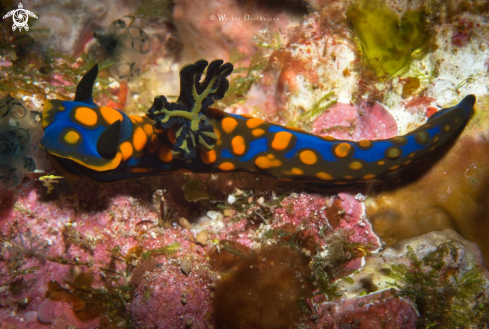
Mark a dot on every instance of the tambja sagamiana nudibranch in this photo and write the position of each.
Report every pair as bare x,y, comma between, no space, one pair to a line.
105,144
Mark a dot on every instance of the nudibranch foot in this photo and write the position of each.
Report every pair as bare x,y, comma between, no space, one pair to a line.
187,117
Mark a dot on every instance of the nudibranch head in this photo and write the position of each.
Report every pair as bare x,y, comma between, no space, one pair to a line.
91,136
88,135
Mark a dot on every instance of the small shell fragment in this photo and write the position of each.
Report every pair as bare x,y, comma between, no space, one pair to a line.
202,237
184,223
186,266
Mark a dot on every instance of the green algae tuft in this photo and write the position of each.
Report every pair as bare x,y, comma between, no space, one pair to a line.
387,42
446,296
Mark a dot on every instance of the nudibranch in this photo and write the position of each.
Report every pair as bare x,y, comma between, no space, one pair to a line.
105,144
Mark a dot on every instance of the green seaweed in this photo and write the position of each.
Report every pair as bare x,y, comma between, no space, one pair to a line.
227,247
444,296
240,85
268,40
470,80
326,286
167,250
22,246
387,43
319,107
34,72
328,268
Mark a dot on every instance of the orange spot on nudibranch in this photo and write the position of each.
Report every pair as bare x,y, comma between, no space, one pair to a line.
72,137
238,145
139,139
370,176
254,122
165,154
394,167
308,157
422,138
355,165
381,163
155,144
269,161
218,133
342,150
86,116
126,149
171,136
208,157
296,171
110,115
257,132
393,152
365,143
136,119
228,125
148,129
281,140
324,176
226,166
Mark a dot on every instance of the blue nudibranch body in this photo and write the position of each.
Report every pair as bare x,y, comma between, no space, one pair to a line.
105,144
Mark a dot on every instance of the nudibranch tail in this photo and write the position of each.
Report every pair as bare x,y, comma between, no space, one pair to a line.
250,144
105,144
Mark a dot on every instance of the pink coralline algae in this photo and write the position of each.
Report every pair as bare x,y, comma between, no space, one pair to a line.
346,121
377,310
388,313
166,297
106,231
